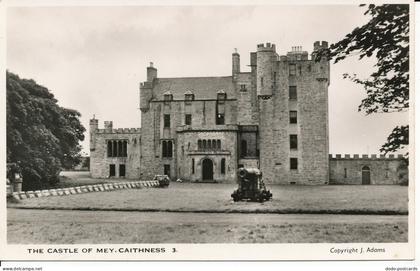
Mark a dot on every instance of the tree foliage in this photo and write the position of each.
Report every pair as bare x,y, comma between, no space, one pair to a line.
386,37
42,137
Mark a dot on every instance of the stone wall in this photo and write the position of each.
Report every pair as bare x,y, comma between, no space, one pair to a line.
346,169
99,160
188,152
203,122
311,80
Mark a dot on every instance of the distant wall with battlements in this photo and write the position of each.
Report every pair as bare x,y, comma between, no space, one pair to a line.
114,148
367,169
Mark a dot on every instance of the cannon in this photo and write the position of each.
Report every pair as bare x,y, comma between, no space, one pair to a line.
251,186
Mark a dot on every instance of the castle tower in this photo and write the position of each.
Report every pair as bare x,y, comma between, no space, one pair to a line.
151,73
108,126
322,66
93,126
266,57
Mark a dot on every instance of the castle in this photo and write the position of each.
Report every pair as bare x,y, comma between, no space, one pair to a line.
274,117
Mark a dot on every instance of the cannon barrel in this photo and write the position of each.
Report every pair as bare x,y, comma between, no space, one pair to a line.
249,172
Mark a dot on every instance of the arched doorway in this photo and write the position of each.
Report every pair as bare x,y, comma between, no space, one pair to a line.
365,175
207,169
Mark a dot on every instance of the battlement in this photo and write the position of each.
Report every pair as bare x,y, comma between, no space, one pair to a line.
119,131
320,45
93,122
365,156
268,47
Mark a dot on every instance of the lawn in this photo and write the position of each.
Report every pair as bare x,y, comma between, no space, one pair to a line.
96,227
201,197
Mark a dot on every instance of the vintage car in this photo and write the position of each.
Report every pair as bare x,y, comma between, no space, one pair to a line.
163,180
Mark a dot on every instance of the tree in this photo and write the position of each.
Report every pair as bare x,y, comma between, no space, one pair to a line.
42,137
385,36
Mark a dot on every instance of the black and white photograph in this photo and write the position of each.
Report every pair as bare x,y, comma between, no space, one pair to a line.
154,131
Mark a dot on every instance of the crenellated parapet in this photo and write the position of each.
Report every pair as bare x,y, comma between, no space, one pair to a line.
365,156
268,47
119,131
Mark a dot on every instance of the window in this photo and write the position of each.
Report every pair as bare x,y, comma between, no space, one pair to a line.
213,144
167,96
120,148
109,150
117,148
189,96
164,149
167,170
114,148
262,81
209,144
293,117
345,173
166,121
167,149
292,93
243,88
112,170
244,150
124,148
187,119
220,119
192,166
221,95
292,69
275,78
122,170
387,173
293,163
223,166
293,142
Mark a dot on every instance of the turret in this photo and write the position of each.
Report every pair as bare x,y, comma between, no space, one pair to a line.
322,65
146,93
151,73
108,126
266,57
93,126
236,64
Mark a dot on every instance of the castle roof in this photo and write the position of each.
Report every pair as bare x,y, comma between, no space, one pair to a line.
201,87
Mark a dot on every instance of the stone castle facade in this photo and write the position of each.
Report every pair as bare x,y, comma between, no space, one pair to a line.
274,117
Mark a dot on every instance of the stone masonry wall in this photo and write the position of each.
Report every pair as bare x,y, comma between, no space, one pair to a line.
347,169
203,118
311,128
189,152
99,161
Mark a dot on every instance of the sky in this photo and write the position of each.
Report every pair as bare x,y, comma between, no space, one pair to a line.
93,58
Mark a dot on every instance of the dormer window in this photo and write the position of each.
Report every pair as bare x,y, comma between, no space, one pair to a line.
189,97
167,96
221,96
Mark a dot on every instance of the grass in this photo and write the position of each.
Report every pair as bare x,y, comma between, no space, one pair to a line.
92,228
199,197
